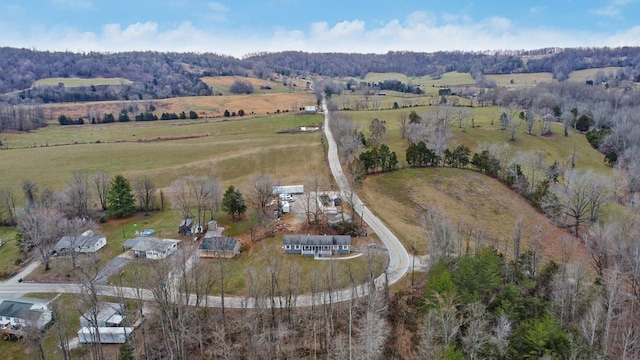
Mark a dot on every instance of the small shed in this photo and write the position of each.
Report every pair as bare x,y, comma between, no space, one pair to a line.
185,227
310,109
219,247
286,207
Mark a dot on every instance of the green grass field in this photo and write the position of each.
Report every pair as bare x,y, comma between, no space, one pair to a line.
164,150
77,82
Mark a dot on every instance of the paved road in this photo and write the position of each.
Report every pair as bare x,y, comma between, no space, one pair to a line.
399,261
396,269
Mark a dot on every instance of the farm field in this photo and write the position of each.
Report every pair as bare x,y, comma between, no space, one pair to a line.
77,82
165,150
205,106
590,74
222,83
521,80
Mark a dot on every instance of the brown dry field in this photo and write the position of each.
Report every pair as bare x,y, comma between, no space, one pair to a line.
205,106
474,203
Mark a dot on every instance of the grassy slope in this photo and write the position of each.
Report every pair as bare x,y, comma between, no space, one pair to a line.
476,204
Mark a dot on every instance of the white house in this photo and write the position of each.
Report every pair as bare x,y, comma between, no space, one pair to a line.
152,248
310,109
80,244
20,312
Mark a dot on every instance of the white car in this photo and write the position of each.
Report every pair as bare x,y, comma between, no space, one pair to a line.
285,197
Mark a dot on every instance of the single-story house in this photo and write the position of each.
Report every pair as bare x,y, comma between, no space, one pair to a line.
105,314
103,324
310,109
106,335
317,245
80,244
18,313
151,248
218,247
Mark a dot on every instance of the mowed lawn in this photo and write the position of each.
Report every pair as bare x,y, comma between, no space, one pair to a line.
476,206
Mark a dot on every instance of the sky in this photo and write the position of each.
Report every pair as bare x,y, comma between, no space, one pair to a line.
242,27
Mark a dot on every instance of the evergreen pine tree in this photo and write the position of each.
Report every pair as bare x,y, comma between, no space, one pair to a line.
120,198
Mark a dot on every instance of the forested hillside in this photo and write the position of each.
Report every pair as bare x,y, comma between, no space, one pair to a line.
157,75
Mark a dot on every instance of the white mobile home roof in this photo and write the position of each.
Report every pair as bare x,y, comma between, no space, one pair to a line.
288,189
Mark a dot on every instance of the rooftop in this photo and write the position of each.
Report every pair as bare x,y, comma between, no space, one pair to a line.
149,244
317,240
79,241
219,243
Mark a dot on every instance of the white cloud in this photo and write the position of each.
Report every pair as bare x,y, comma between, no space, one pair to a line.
419,31
217,7
613,10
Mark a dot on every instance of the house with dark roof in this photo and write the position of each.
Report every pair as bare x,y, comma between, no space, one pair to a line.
15,314
80,244
213,246
151,247
317,245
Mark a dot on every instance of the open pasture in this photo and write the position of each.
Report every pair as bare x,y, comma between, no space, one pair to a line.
590,74
77,82
205,106
520,80
165,150
222,83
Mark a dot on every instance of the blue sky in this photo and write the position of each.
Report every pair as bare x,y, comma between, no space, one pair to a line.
239,27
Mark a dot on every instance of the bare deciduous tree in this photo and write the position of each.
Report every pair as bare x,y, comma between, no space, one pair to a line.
146,193
77,195
101,184
41,229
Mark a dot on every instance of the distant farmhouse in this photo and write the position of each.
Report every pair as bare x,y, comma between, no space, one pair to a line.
103,324
218,246
317,245
151,248
310,109
16,314
80,244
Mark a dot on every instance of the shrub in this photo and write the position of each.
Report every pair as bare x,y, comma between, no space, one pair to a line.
241,86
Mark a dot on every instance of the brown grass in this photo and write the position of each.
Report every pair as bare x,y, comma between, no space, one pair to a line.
205,106
475,204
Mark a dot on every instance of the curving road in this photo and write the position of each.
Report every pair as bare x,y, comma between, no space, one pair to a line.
396,269
398,256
